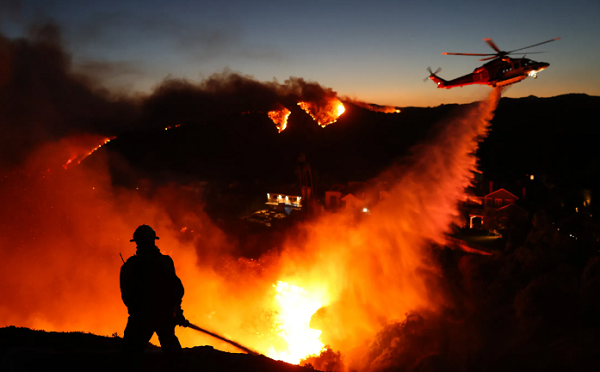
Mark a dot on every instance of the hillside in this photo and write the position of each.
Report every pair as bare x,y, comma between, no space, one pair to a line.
553,136
23,349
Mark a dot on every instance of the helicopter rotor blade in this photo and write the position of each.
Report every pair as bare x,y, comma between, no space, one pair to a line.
432,73
467,54
492,45
436,71
531,46
530,52
499,56
500,53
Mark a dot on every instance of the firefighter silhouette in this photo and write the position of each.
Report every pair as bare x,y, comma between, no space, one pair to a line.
152,293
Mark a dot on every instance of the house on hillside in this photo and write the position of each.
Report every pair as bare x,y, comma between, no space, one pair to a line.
480,210
355,196
498,199
354,202
285,199
333,197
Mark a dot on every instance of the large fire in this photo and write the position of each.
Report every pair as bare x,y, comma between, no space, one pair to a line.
339,284
325,112
280,118
295,309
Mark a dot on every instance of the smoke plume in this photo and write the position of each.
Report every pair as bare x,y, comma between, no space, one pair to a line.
42,99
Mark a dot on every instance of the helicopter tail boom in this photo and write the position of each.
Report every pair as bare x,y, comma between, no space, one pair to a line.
441,83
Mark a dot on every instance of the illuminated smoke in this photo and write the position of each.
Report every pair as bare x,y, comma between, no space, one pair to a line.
373,107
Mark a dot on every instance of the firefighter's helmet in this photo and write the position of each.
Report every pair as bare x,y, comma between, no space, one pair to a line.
144,233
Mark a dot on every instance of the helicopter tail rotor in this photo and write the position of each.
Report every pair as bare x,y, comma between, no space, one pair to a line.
441,83
431,73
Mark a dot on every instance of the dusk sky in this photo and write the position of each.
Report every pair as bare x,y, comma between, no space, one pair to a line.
375,51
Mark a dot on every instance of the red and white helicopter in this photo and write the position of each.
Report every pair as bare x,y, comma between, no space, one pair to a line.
500,71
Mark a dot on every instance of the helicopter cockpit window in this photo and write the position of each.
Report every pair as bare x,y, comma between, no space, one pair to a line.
517,64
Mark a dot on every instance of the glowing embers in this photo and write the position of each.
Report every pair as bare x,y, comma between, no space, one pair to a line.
280,118
324,112
173,126
79,151
295,308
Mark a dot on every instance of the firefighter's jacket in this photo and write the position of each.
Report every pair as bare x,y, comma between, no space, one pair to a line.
149,285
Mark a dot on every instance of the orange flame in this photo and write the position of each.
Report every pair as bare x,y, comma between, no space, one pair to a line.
295,308
77,150
172,126
280,118
325,112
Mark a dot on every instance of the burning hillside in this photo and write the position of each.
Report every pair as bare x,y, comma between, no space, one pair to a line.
325,112
80,148
280,118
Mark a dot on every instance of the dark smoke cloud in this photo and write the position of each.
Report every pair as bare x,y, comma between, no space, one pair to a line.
178,100
108,72
41,100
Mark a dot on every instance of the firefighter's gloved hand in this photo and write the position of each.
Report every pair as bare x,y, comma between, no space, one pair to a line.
180,320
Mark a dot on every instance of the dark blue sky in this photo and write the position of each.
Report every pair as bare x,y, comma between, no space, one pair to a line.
374,51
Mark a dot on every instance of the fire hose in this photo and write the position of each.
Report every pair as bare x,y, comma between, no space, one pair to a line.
231,342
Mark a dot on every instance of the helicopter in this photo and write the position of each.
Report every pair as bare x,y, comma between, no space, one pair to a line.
502,70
